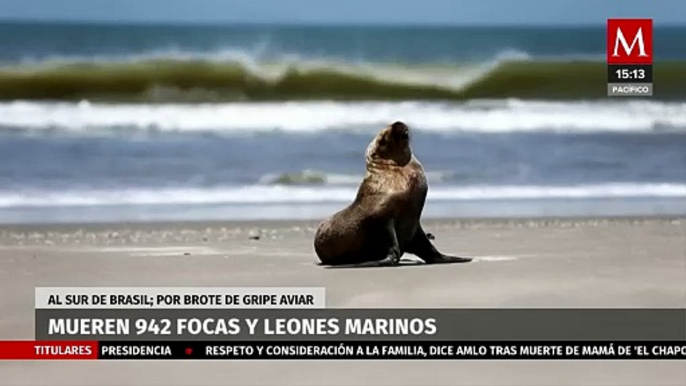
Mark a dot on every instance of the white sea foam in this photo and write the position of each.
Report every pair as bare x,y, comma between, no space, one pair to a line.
261,51
230,118
279,194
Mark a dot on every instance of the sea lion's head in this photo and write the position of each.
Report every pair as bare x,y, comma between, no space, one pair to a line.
391,146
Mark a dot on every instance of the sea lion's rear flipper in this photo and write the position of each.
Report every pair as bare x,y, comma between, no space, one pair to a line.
445,259
421,246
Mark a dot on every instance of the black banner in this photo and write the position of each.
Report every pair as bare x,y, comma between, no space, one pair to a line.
390,350
338,324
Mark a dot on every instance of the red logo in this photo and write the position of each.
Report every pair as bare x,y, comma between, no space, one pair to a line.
629,41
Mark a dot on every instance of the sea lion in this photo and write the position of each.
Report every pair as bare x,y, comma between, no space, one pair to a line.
383,222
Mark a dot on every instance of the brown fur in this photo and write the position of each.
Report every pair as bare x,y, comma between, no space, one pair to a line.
383,221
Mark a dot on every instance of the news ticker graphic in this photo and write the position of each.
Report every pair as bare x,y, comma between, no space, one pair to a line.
629,57
287,314
359,324
351,350
293,323
178,297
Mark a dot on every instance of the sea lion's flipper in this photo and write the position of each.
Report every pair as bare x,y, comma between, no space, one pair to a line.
393,253
387,257
445,259
389,261
421,246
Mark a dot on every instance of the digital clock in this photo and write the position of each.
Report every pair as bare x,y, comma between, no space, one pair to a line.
630,73
635,74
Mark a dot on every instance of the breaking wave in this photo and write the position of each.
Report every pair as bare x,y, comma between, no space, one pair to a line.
509,115
314,177
244,78
280,194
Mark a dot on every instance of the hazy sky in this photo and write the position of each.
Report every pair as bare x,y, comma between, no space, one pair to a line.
347,11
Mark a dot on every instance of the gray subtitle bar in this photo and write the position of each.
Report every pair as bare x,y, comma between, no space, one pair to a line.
629,89
361,324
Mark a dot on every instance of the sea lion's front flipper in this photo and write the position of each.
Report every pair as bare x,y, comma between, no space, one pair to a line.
389,257
421,246
393,253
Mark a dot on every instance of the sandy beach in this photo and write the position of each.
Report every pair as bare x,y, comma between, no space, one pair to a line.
575,263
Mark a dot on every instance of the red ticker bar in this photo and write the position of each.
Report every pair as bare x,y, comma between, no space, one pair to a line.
348,350
37,350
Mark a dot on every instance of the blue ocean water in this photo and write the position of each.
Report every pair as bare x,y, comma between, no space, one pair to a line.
145,123
40,41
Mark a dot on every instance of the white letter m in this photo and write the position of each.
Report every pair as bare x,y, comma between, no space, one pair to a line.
638,38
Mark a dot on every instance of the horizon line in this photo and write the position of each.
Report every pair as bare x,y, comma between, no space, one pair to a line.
183,23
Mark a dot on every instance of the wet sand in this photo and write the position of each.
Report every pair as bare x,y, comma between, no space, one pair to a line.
589,263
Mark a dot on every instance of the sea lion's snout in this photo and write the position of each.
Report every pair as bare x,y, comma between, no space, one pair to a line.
392,144
400,131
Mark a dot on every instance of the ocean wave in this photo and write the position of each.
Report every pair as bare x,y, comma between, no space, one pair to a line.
488,116
262,52
314,177
237,76
280,194
309,177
